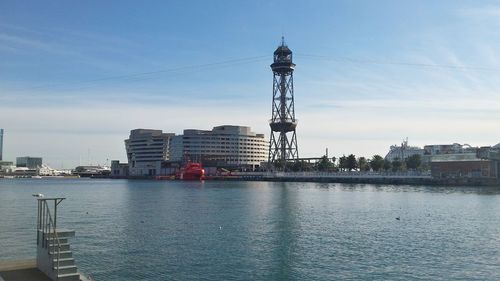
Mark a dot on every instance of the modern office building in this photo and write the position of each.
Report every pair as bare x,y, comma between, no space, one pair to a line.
146,150
1,144
227,145
29,162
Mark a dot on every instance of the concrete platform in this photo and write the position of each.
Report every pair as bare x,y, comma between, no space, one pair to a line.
21,270
26,270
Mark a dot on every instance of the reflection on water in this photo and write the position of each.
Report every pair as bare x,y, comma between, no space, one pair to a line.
169,230
489,190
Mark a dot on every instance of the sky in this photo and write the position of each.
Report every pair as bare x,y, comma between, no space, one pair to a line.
77,76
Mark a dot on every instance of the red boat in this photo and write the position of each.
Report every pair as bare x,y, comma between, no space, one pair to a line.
192,171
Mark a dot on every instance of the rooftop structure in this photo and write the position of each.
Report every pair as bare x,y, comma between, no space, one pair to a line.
436,149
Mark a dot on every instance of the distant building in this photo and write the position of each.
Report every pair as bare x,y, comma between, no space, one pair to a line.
1,144
24,172
402,152
48,171
463,165
119,169
223,146
29,162
438,149
6,167
92,171
146,150
463,161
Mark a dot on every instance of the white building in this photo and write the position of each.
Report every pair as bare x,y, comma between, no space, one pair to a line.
402,152
226,145
7,167
146,150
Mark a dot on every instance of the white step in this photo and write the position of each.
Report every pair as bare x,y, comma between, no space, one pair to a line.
69,277
66,269
62,254
61,233
64,246
64,262
54,241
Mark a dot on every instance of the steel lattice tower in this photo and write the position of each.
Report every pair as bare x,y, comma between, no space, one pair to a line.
283,143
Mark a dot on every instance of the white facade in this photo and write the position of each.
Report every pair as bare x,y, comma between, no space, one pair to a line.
146,149
223,145
402,152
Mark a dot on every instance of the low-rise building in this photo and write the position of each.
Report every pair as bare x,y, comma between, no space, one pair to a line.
119,169
24,172
466,162
7,167
463,165
92,171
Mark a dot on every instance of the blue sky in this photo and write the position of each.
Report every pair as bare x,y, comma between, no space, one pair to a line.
77,76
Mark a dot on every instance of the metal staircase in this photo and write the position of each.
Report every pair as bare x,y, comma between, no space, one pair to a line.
54,255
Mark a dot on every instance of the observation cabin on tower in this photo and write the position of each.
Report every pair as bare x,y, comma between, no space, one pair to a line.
283,61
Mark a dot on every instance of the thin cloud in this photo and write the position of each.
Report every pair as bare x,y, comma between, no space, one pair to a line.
481,13
14,41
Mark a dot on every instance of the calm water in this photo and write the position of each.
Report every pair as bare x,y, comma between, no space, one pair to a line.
162,230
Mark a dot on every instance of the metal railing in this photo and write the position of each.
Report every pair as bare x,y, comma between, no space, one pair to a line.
47,228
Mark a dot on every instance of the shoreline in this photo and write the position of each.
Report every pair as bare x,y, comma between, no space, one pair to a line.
318,177
350,178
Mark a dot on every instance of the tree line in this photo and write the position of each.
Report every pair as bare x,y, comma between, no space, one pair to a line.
352,163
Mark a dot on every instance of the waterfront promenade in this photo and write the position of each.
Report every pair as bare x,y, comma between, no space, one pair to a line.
396,178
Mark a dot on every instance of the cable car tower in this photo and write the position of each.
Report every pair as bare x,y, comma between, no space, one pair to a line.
283,143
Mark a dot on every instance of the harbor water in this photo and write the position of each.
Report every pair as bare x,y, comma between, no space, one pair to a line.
216,230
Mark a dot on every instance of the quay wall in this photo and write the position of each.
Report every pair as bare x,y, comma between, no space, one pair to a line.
364,178
354,178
